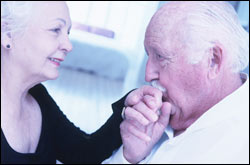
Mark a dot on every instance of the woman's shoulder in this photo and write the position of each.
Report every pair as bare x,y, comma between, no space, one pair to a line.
38,89
40,93
47,104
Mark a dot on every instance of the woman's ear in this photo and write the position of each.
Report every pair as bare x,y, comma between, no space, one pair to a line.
6,40
215,61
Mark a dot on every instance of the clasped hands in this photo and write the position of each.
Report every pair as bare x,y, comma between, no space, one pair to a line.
143,126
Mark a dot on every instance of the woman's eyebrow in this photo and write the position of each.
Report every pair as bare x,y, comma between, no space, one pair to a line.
62,20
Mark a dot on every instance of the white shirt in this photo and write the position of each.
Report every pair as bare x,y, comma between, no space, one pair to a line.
221,135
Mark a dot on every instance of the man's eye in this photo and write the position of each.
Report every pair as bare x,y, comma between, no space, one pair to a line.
159,57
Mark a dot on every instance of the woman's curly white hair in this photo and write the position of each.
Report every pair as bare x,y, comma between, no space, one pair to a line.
15,16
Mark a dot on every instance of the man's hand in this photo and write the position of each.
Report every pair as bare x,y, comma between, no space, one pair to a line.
142,128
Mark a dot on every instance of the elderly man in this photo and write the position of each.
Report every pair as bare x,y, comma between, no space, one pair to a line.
196,51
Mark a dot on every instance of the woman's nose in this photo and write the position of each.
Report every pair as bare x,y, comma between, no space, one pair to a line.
66,45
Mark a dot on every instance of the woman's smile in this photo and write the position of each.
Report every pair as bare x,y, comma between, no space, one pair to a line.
55,61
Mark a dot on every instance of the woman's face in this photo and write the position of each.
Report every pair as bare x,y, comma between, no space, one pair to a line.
45,42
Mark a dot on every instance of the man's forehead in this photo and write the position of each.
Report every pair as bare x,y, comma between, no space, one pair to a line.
167,24
165,19
163,47
159,32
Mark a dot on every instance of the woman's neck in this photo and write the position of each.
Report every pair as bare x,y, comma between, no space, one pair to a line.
14,91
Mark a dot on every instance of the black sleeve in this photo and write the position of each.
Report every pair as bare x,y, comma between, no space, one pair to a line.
75,146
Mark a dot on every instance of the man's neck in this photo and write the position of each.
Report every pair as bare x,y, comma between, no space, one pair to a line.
230,85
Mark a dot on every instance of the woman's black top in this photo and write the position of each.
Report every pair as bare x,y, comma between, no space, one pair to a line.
61,140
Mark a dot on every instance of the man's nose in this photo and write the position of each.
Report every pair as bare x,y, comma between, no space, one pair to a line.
151,71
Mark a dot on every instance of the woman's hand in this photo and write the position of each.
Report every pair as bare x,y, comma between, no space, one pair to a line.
142,127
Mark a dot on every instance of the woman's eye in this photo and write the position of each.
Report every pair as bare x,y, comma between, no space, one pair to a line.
56,30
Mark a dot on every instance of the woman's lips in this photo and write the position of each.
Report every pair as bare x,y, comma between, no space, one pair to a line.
55,61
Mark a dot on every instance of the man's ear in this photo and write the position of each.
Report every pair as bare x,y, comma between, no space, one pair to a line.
215,61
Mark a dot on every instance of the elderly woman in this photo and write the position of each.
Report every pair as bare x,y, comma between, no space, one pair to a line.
34,41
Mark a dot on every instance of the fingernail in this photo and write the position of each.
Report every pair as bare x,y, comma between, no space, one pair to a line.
146,122
152,103
135,98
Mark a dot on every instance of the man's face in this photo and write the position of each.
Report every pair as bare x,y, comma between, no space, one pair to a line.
167,63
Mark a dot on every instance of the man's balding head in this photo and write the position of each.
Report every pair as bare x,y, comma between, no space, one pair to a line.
194,49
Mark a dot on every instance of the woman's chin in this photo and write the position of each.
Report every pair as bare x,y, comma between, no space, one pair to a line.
52,76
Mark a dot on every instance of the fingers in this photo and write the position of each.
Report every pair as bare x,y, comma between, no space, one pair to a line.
144,111
153,95
133,98
152,91
152,102
142,108
132,114
137,95
128,128
165,114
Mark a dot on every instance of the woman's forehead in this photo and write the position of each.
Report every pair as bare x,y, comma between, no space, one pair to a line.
54,11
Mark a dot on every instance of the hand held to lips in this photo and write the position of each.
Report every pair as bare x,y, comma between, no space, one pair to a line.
156,84
142,128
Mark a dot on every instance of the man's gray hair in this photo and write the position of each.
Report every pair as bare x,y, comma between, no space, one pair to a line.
15,16
213,22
